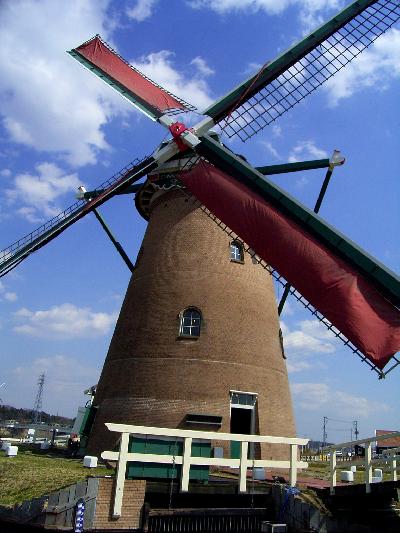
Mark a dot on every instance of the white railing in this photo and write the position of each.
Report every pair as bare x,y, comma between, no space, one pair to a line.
187,460
367,462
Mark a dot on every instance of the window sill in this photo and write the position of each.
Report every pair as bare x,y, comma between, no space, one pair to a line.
237,261
187,338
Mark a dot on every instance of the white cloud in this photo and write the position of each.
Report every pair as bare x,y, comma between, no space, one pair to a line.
5,173
65,321
374,68
271,149
252,68
202,67
311,12
314,396
272,7
142,10
304,150
288,308
65,380
48,101
276,130
159,67
9,296
37,194
311,337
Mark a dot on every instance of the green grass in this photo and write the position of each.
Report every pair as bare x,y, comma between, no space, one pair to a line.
33,473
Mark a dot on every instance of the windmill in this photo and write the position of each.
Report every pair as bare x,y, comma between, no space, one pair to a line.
349,291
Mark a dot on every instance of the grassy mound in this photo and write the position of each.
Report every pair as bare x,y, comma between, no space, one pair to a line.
33,473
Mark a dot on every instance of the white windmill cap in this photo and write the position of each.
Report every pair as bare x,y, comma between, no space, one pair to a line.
80,195
336,159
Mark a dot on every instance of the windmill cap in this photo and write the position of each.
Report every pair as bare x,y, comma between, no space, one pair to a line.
336,159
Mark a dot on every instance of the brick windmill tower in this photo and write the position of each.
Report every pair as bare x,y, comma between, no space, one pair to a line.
197,341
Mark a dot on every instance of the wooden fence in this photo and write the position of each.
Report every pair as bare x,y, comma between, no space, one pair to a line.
122,457
366,462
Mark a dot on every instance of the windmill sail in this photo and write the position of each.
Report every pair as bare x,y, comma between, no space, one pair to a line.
349,300
297,72
11,256
150,98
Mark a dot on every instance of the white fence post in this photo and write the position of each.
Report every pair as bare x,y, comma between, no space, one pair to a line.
333,472
393,466
187,453
293,465
368,466
120,478
244,446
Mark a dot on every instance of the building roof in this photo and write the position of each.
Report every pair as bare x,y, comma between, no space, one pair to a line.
388,443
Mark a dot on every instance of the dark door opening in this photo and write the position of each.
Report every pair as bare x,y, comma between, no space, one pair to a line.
241,420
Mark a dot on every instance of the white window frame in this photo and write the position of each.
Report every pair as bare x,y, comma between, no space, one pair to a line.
236,249
182,325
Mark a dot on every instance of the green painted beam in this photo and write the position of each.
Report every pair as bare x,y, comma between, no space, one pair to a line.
383,279
293,167
116,244
89,195
222,107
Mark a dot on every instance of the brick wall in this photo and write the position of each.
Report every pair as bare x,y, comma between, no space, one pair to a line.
151,376
132,504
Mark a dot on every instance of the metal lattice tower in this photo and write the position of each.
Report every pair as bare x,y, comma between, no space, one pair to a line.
37,416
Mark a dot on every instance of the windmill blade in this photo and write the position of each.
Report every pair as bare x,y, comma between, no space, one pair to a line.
297,72
14,254
351,289
149,97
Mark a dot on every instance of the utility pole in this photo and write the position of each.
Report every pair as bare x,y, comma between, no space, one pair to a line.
355,427
37,415
2,385
324,433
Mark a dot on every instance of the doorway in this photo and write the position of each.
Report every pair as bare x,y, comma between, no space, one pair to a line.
243,405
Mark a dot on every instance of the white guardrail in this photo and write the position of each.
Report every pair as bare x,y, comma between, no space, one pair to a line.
187,460
391,457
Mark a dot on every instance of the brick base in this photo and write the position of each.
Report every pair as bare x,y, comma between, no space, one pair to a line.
132,504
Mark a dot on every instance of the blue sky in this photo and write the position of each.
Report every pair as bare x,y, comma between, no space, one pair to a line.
61,127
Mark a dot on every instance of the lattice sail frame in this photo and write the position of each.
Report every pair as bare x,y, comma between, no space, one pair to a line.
310,72
11,256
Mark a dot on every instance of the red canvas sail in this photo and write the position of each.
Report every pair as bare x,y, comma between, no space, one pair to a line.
149,94
345,297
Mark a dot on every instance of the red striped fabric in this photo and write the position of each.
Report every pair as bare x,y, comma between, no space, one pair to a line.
111,64
346,298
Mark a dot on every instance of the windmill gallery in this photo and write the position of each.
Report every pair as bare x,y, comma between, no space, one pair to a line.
197,346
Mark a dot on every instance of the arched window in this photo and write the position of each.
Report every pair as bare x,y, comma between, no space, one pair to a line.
190,322
237,252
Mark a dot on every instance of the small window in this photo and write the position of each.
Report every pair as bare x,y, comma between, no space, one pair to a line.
190,323
237,252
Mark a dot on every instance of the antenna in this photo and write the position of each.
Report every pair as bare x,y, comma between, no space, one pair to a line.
37,414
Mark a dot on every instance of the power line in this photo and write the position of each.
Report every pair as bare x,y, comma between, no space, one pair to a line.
353,428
